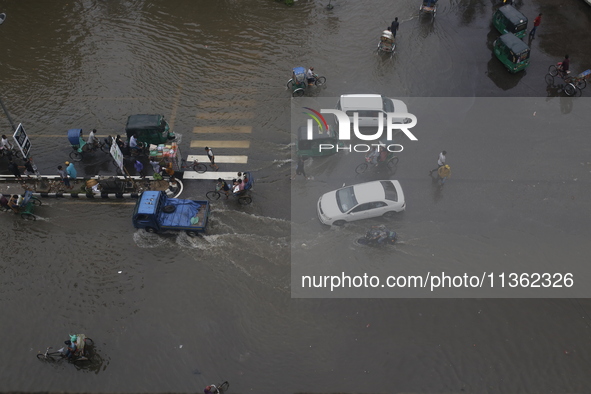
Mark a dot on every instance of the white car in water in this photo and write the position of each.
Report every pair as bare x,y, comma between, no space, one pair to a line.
362,201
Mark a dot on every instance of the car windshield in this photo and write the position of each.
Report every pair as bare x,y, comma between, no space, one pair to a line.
346,199
390,191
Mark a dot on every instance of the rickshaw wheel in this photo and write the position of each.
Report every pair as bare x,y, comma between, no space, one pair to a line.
570,89
224,386
392,163
244,200
28,216
581,84
298,92
200,168
76,156
552,70
290,84
88,342
36,201
213,195
361,168
320,81
549,79
105,148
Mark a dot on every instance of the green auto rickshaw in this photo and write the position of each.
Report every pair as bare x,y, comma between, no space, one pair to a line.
323,142
149,129
512,52
508,20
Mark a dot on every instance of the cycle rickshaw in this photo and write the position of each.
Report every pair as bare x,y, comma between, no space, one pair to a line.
572,83
386,44
80,147
25,205
84,347
428,7
243,196
299,81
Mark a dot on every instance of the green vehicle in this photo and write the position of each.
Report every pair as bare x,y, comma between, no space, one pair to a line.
512,52
322,143
149,129
508,20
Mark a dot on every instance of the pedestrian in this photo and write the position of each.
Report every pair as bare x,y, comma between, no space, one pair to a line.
139,168
537,21
394,27
155,165
28,166
64,176
440,162
300,168
71,171
13,168
211,157
444,173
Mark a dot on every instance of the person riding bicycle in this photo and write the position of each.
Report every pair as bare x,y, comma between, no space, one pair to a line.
92,139
71,346
5,145
223,186
564,65
378,234
211,389
311,76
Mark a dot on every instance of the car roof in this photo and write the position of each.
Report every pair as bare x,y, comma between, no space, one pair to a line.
369,191
361,101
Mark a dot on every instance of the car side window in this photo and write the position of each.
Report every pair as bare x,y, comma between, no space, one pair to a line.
362,207
378,204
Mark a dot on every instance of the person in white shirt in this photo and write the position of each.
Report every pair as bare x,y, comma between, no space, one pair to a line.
440,162
92,140
310,76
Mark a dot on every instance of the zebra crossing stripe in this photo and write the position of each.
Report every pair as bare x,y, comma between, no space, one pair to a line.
218,159
220,144
222,129
225,115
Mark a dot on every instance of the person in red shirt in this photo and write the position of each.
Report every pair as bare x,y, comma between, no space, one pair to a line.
537,21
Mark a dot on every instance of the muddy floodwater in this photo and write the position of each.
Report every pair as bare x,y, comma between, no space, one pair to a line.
171,313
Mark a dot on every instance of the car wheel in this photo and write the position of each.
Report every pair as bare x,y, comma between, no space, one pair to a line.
339,223
389,214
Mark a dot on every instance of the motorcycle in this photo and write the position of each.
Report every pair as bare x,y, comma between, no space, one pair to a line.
377,236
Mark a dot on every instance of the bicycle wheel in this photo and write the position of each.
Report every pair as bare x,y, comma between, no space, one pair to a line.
581,84
200,168
298,92
570,89
224,386
361,168
549,80
290,84
552,70
213,195
75,155
320,81
244,200
392,163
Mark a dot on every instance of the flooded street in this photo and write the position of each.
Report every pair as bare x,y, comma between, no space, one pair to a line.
171,313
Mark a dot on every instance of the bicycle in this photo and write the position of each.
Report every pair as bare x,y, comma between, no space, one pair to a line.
219,389
10,153
391,162
77,153
571,82
60,354
195,166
